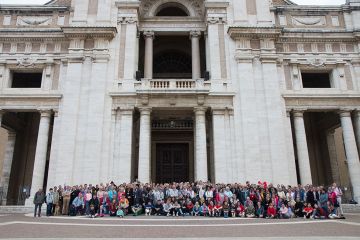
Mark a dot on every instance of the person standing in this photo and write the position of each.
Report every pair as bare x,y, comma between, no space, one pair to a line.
55,207
38,201
49,202
339,193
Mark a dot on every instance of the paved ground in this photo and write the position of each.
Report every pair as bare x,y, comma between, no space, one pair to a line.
25,226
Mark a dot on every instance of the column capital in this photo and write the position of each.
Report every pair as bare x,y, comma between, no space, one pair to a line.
218,111
345,112
357,112
149,34
299,112
45,112
126,111
145,110
195,34
200,110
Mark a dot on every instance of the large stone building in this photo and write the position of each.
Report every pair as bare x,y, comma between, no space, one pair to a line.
178,90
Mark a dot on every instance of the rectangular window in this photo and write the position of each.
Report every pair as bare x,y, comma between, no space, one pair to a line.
316,80
26,80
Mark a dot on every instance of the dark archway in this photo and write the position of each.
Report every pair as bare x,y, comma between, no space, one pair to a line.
172,10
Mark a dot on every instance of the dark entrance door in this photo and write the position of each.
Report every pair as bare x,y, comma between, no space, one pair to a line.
172,162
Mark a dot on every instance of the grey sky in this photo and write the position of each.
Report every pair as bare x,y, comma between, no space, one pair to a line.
303,2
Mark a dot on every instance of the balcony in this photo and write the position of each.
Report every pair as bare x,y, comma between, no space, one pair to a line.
172,86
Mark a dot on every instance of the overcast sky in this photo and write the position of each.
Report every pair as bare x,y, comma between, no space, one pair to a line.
305,2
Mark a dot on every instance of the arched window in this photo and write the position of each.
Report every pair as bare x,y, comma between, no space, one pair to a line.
172,10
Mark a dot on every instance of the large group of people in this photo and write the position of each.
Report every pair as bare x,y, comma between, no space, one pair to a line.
261,200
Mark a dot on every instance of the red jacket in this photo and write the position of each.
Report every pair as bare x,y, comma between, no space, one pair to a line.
271,211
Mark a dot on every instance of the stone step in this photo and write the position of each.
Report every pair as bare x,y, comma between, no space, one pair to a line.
347,208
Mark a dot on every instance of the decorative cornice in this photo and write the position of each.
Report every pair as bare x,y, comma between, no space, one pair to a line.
127,4
90,32
237,32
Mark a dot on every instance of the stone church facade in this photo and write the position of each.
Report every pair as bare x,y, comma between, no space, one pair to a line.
158,91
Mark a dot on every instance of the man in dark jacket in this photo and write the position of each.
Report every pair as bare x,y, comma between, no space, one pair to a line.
310,198
39,199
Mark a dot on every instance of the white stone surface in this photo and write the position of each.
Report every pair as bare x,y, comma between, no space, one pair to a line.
201,166
352,154
6,169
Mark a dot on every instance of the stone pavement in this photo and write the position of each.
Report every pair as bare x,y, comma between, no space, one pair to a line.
25,226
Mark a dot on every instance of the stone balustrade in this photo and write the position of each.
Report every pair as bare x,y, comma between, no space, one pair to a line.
172,84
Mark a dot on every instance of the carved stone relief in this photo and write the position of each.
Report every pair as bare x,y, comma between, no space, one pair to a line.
34,20
308,20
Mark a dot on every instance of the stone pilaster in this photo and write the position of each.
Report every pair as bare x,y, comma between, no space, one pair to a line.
219,146
195,50
144,145
333,156
351,150
201,168
40,154
302,148
148,65
5,176
125,146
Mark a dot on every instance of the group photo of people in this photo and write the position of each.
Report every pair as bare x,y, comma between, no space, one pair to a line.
202,199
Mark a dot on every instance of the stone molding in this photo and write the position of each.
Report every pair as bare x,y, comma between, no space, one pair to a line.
238,32
89,32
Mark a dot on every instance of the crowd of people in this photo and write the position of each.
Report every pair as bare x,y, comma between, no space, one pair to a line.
261,200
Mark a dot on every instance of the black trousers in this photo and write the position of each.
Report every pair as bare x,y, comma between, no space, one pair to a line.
37,206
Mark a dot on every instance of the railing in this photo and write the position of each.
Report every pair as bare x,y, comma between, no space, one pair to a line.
172,84
172,124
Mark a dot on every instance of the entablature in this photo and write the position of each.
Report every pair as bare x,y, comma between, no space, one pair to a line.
321,102
89,32
238,32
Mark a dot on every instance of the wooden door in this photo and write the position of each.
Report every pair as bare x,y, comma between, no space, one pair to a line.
172,162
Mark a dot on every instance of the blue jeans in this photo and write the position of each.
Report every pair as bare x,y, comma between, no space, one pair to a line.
49,209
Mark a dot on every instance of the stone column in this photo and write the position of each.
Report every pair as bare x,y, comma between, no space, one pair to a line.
333,156
201,168
144,145
352,154
290,150
5,176
1,116
219,146
195,51
302,148
126,127
40,154
357,127
148,65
